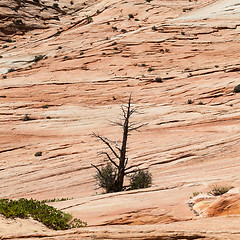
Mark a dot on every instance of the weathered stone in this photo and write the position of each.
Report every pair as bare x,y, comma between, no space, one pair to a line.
186,147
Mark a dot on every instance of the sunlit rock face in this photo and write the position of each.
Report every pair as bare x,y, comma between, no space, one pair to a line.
66,67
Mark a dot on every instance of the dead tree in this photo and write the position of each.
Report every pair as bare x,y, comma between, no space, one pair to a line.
118,154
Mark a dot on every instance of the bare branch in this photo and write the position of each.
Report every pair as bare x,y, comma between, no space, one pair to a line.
118,124
137,127
110,159
99,171
126,173
129,168
106,141
124,111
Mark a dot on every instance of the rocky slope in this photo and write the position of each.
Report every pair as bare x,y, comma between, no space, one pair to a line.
68,68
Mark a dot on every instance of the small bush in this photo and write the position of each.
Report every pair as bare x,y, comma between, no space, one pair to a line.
27,118
150,69
49,216
56,200
158,79
106,178
195,194
154,28
38,154
38,58
130,15
237,89
11,70
140,179
219,190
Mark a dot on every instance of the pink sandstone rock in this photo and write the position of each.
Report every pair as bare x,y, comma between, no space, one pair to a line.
89,68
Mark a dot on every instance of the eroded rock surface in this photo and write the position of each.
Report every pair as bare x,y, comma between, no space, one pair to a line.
71,68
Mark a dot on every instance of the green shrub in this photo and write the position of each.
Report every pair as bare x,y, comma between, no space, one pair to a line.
150,69
195,193
56,200
140,179
38,154
38,58
237,89
219,190
106,178
49,216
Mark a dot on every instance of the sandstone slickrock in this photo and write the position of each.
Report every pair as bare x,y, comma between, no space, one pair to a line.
93,55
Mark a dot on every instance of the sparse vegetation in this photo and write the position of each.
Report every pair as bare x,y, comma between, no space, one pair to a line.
111,176
154,28
49,216
194,194
140,179
158,79
11,70
150,69
55,5
89,19
130,16
38,154
26,118
237,89
55,200
219,190
38,58
105,177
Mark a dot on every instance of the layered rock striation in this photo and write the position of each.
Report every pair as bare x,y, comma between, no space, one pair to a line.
65,71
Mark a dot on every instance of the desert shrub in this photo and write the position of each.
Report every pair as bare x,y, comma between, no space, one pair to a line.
140,179
130,15
56,200
195,193
11,70
106,177
27,118
38,154
48,215
219,190
150,69
154,28
158,79
237,89
38,58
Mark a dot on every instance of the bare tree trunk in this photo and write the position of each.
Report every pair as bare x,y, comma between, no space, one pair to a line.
120,153
122,160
